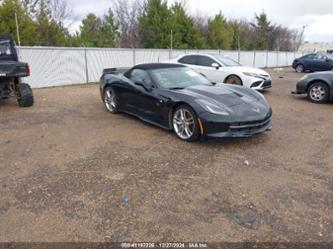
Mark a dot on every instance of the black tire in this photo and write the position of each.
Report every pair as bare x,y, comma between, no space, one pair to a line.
25,97
319,93
111,107
234,80
300,68
194,127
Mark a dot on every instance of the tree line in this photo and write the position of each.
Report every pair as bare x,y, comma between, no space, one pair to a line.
142,24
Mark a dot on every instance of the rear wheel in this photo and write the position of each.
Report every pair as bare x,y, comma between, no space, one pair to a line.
25,97
185,124
234,80
299,68
319,92
110,100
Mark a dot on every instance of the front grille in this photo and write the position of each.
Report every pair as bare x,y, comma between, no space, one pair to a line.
249,127
267,83
264,76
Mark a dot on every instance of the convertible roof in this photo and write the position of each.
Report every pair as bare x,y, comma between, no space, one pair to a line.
5,37
151,66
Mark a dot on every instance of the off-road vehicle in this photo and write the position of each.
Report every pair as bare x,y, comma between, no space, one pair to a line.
11,72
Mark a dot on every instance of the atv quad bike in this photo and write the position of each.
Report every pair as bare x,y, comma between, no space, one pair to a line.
11,72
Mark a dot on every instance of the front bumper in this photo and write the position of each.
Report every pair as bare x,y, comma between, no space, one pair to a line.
217,129
261,84
301,87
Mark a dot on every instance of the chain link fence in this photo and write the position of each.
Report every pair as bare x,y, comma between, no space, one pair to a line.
52,66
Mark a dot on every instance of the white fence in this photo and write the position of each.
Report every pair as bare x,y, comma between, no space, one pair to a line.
65,66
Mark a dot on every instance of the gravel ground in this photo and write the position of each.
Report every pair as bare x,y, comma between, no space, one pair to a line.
72,172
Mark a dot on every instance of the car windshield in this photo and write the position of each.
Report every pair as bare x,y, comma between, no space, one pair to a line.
227,62
5,48
330,56
177,78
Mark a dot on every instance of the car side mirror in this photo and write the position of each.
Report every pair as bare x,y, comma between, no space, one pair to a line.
215,65
147,87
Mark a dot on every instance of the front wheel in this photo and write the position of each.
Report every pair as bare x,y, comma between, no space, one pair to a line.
110,100
25,97
300,68
185,124
234,80
319,92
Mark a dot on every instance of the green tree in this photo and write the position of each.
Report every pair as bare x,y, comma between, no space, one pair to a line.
51,33
27,27
155,24
90,30
264,30
185,34
220,35
96,32
109,31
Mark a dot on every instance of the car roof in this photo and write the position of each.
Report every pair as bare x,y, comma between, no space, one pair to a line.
5,37
152,66
202,54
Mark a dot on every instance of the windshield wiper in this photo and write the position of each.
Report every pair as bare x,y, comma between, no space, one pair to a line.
176,88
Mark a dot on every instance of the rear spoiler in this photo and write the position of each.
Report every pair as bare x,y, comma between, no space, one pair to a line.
115,70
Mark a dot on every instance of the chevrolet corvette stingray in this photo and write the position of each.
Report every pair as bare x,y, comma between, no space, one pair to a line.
177,98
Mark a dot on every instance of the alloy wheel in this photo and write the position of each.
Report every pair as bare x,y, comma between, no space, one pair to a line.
300,69
234,80
317,93
110,100
184,124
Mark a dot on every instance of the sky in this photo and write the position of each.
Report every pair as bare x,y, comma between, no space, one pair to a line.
316,15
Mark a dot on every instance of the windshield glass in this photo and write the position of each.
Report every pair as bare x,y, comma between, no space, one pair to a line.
5,48
178,77
226,61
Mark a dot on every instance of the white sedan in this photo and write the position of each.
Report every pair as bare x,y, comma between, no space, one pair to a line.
220,69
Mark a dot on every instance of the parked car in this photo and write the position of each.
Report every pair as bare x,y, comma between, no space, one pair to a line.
313,62
318,87
11,72
177,98
220,69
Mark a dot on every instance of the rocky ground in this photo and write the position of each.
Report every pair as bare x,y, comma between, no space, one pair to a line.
69,171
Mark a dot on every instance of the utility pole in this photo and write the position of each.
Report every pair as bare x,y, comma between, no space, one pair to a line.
17,30
301,35
171,44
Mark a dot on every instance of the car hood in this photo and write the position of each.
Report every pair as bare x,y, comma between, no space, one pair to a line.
247,69
222,95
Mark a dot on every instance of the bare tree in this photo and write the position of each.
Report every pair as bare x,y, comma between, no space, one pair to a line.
127,14
201,22
60,10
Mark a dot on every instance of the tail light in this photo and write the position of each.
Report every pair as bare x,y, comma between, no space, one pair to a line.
28,70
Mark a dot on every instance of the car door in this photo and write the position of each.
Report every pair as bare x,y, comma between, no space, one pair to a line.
213,74
326,63
188,60
311,62
146,99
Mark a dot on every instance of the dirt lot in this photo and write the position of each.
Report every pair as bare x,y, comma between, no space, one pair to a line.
71,172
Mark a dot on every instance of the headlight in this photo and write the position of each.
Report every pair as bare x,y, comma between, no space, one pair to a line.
212,108
251,74
305,77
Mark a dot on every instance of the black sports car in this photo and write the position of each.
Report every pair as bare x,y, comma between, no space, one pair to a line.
318,86
176,98
313,62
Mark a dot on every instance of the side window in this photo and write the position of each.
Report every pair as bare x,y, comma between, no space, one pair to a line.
310,57
139,75
205,61
188,59
321,57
